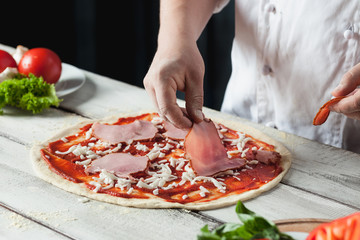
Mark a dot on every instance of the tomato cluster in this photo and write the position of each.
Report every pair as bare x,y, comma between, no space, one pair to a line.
346,228
41,62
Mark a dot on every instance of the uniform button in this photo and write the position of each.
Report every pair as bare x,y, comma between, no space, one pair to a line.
270,8
270,124
266,70
348,34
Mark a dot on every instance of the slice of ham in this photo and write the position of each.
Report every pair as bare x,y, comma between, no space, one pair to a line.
206,152
174,132
137,130
121,164
266,157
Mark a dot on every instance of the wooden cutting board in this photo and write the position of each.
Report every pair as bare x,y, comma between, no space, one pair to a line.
299,225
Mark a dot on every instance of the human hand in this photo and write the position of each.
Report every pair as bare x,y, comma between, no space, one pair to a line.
177,66
348,86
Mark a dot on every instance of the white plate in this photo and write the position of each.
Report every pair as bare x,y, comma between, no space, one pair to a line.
298,235
71,79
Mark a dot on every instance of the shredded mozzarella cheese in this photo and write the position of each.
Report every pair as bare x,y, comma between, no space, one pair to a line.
96,185
243,154
130,191
219,185
86,162
141,147
203,191
88,134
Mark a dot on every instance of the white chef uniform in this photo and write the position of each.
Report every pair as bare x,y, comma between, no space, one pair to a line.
287,57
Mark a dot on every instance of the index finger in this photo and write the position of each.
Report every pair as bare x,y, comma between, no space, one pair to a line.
168,107
348,82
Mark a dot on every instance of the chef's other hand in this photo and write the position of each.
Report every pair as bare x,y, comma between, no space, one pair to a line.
177,66
349,106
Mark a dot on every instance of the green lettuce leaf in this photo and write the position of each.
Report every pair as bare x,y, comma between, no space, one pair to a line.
30,93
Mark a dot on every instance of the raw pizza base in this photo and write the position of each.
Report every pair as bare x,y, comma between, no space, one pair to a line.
44,172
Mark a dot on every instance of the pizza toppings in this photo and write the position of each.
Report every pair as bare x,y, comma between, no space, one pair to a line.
154,162
137,130
174,132
204,148
266,157
108,180
121,164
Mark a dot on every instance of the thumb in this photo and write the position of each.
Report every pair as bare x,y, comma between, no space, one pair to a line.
348,82
194,98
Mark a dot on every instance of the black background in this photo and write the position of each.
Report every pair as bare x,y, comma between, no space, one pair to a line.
114,38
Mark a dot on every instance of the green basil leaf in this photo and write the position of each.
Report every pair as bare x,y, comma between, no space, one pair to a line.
253,227
252,222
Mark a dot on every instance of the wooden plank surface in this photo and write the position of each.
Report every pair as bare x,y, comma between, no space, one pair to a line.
26,128
15,226
322,183
286,202
63,212
101,96
67,213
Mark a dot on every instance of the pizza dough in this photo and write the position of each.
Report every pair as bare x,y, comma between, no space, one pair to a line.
42,169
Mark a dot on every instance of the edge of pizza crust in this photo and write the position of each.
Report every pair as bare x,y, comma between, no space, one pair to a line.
43,171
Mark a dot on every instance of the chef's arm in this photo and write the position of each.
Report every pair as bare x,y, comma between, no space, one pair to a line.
177,64
184,19
349,106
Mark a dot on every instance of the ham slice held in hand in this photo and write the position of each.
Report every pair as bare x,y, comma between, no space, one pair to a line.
121,164
134,131
206,152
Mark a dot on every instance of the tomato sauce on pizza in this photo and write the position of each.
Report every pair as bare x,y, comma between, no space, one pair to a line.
152,162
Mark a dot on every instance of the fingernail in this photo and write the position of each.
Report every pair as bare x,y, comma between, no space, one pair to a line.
339,87
199,114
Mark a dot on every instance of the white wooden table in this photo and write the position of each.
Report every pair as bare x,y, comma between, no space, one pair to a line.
323,182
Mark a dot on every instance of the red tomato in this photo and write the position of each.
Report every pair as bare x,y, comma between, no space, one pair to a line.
346,228
41,62
6,60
